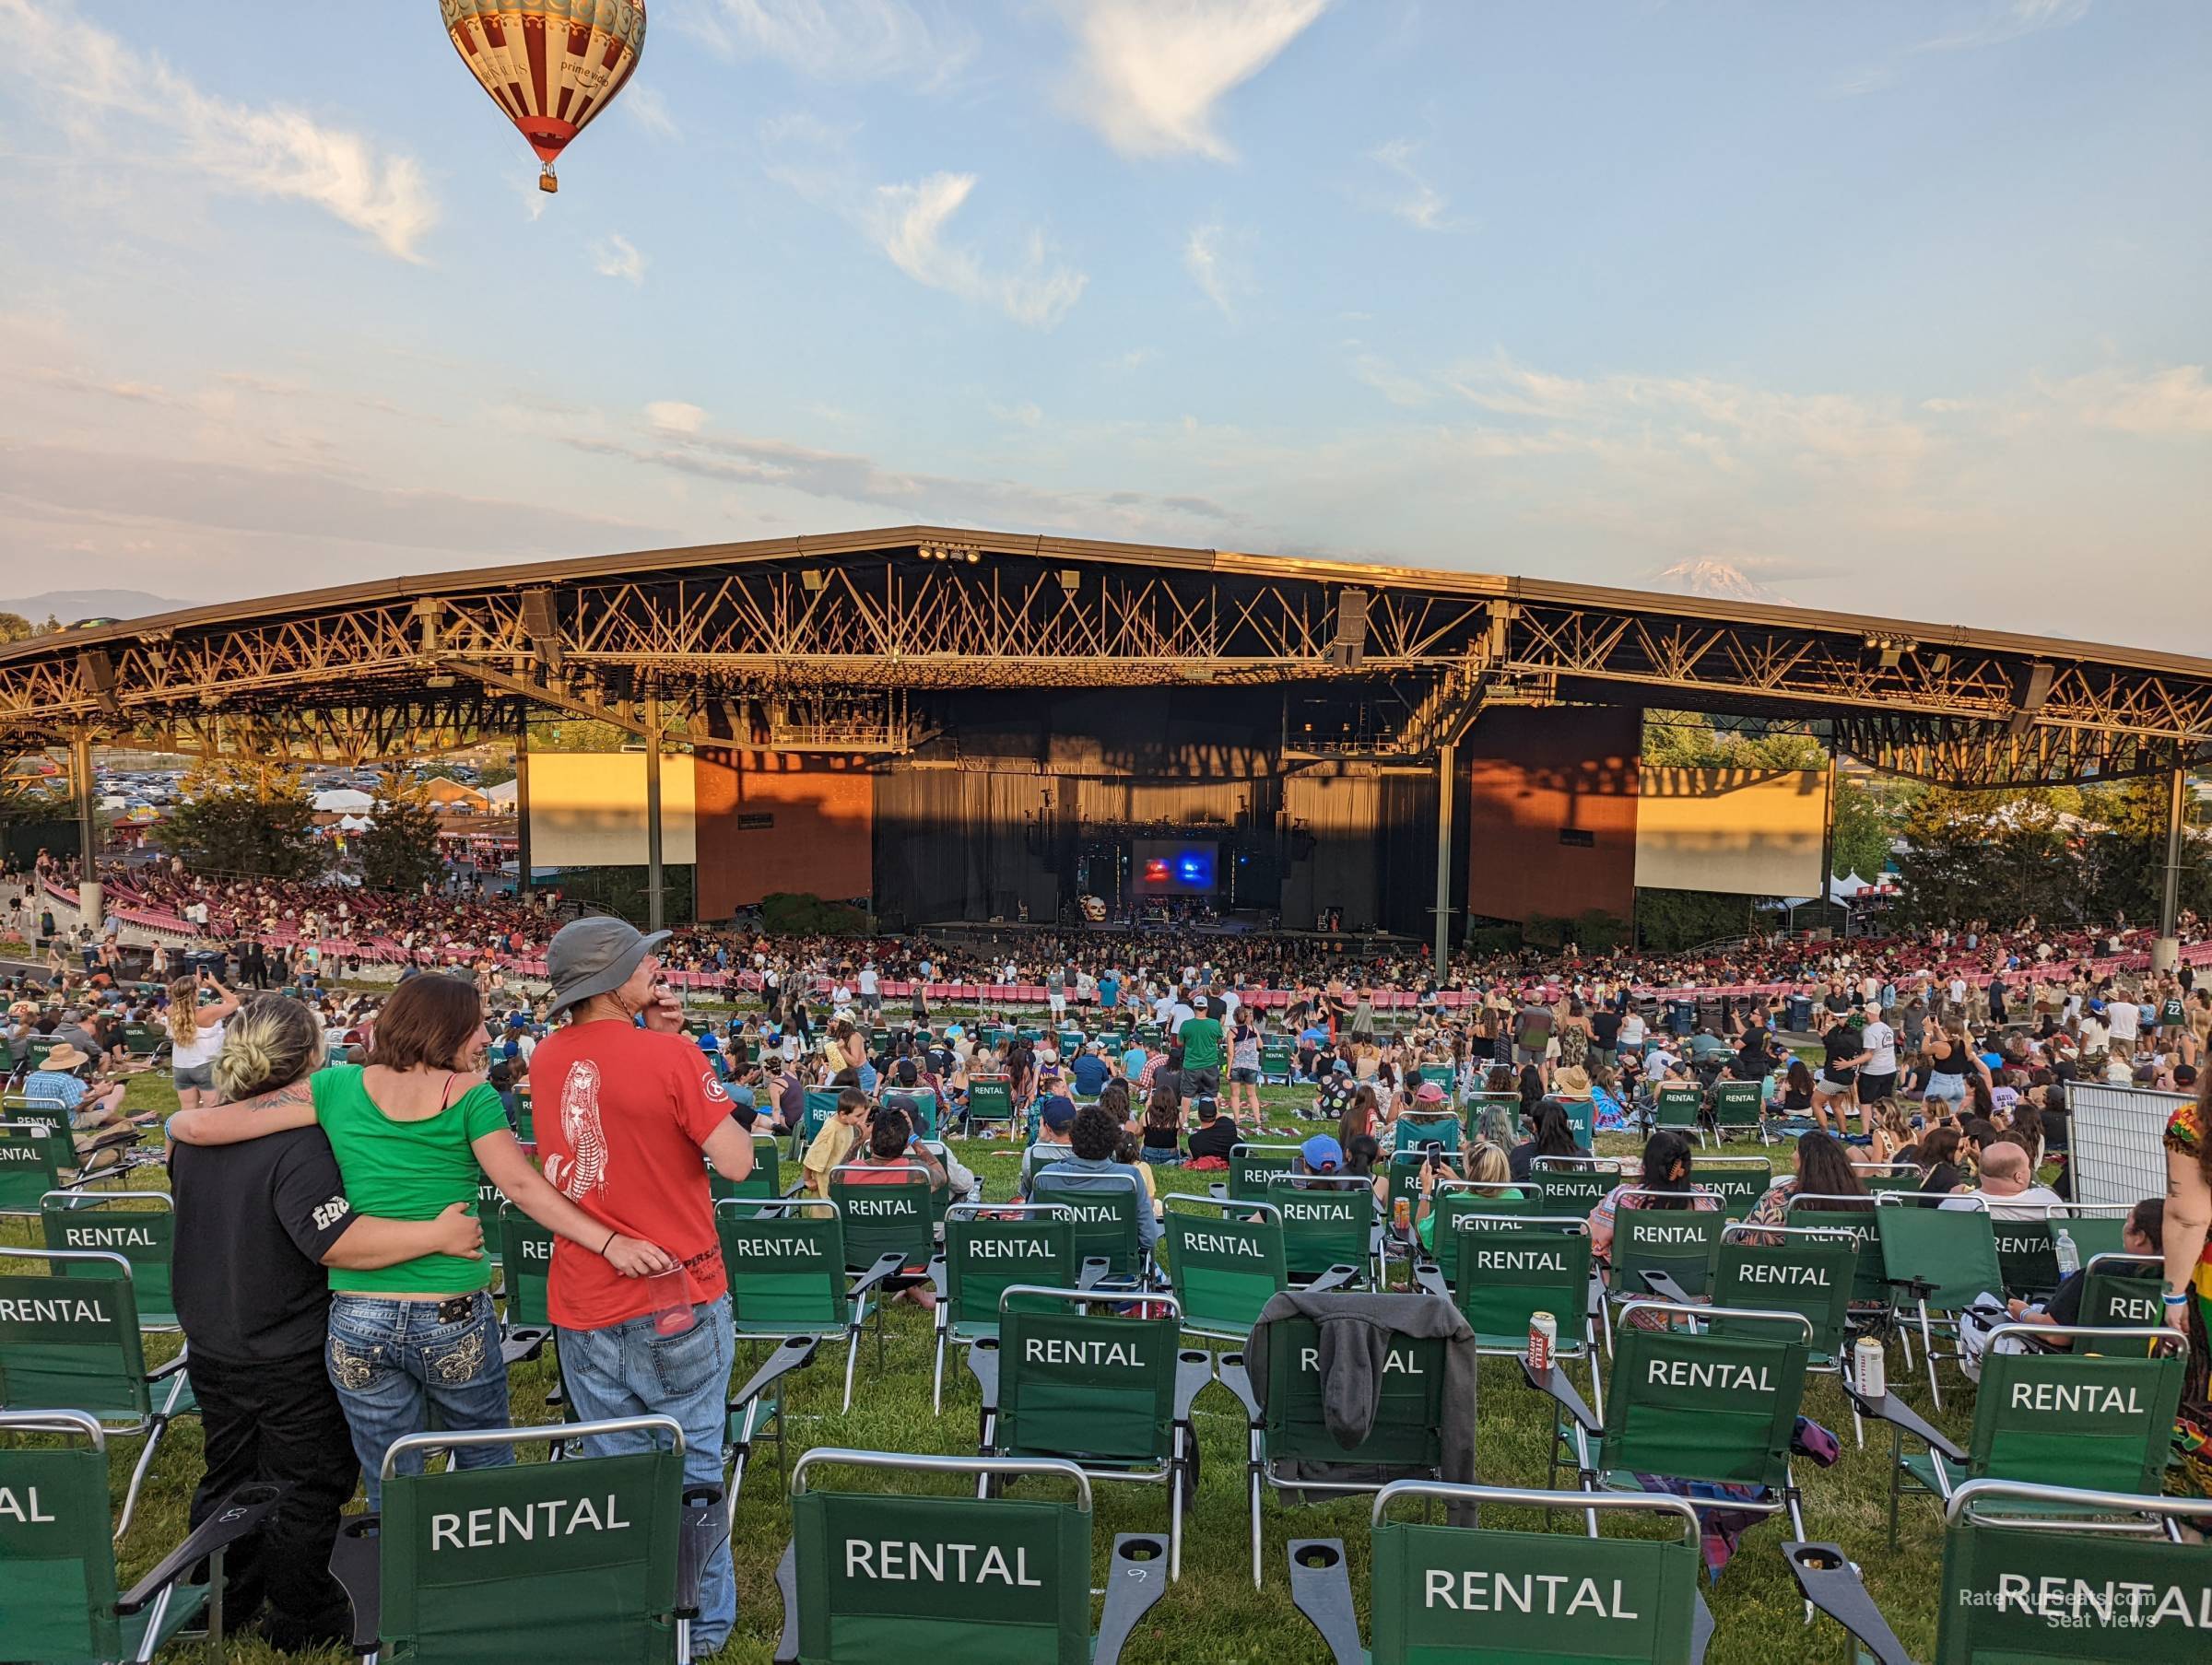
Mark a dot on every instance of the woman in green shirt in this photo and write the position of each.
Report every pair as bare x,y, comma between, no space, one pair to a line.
415,1130
1485,1167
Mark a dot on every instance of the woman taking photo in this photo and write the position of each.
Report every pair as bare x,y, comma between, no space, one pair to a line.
195,1035
415,1131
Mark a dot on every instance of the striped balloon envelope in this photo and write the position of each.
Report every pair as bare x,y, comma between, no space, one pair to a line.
550,66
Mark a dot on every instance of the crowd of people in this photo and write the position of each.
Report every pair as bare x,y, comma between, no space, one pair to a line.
330,1138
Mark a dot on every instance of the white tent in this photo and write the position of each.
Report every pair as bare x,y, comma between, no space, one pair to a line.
354,824
1848,887
502,794
342,800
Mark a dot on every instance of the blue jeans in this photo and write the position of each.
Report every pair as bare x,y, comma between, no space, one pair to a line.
392,1363
627,1370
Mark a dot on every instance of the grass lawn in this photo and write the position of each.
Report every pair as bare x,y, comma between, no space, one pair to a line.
1214,1614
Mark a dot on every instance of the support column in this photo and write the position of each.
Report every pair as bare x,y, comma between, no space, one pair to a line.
1827,843
1447,754
2166,953
655,898
89,905
521,805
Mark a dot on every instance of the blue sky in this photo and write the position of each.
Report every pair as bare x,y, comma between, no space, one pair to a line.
1893,307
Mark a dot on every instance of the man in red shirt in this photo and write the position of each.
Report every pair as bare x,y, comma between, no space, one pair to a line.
624,1109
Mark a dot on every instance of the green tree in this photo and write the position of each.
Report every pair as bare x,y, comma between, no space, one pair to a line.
1692,739
1669,922
1995,856
495,774
246,817
577,735
1866,824
2124,849
399,850
14,626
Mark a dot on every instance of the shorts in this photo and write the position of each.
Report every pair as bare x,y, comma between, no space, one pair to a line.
1201,1083
200,1076
1949,1089
1250,1078
1826,1089
1874,1087
871,1002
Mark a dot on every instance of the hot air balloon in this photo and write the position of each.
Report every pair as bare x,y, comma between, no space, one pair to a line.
550,66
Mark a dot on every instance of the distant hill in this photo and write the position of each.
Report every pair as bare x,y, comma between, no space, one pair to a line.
69,606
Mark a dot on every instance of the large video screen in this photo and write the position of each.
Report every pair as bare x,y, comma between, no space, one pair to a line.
1161,867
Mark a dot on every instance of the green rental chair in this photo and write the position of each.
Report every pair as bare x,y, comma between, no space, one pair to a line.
1277,1062
2102,1419
582,1562
764,1183
1415,1129
1879,1177
141,1227
1575,1185
2028,1249
2122,1292
2026,1576
1679,1244
1457,1207
987,1246
1290,1446
1457,1595
1687,1403
39,1155
1250,1167
1104,1207
985,1580
1679,1105
786,1267
1871,1295
1738,1182
1940,1260
885,1212
1108,1392
1739,1106
1225,1262
525,1272
989,1099
1811,1271
1328,1224
143,1040
59,1603
69,1340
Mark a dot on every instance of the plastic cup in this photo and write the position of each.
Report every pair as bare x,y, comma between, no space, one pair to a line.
671,1293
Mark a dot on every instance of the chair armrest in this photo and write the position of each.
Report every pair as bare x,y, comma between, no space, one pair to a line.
516,1346
940,1276
1338,1276
1700,1629
353,1563
1219,1193
889,1265
1230,1371
1429,1278
1832,1584
794,1189
1918,1288
1134,1582
163,1372
1321,1588
787,1588
1895,1412
794,1354
706,1526
238,1516
1193,1374
1662,1284
1553,1380
983,1364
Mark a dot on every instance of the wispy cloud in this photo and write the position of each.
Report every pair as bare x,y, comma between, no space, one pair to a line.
1211,255
675,416
2166,404
649,110
909,223
110,98
1989,23
1413,199
845,41
1150,73
613,256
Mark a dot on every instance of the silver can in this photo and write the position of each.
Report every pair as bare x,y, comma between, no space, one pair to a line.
1543,1340
1869,1367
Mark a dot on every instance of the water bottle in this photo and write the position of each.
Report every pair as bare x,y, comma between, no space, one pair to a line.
2069,1257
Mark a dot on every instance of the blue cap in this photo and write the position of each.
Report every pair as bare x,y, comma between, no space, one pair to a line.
1058,1113
1322,1154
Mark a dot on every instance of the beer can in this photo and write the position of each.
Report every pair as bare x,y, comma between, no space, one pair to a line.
1543,1340
1869,1367
1401,1213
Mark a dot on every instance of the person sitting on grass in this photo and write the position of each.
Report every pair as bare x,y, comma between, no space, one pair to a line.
1210,1142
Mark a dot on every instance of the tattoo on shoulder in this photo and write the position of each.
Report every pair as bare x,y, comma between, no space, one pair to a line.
297,1093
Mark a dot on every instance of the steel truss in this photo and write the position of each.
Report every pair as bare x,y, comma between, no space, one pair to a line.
844,645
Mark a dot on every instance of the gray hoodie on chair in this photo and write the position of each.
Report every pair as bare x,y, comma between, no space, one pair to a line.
1356,1331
